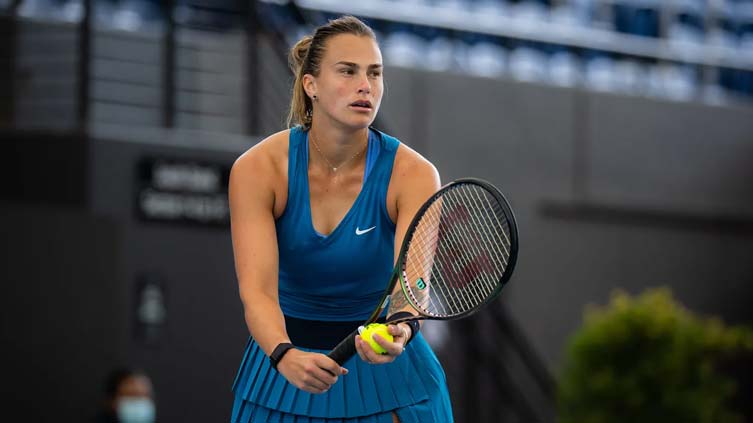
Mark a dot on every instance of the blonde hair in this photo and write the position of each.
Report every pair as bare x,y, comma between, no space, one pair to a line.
306,56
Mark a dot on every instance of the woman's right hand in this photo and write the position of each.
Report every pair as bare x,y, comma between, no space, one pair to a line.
311,372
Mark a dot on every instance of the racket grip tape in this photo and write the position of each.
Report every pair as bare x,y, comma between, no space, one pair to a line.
345,349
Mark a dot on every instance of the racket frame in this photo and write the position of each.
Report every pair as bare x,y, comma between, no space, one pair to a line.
346,348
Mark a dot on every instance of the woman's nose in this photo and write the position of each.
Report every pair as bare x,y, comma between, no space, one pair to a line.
365,86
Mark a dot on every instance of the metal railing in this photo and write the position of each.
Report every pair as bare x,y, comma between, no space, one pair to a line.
550,32
503,376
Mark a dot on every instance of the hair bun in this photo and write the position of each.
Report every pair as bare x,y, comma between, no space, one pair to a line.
299,52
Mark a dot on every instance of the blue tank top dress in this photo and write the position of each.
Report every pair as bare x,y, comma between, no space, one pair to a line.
336,281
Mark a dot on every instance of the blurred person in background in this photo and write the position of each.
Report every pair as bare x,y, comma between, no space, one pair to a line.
318,214
129,398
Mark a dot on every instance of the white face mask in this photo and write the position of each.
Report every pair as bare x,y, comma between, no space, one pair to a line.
135,410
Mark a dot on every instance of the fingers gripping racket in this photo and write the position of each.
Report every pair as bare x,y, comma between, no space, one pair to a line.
458,252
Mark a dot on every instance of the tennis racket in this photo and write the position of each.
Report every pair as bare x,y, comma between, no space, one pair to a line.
458,252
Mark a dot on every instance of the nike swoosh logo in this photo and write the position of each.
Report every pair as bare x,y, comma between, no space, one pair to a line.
361,232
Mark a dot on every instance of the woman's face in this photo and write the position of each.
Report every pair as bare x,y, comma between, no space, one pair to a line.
136,385
349,86
133,401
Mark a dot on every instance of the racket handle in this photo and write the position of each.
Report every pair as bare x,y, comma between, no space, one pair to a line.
345,349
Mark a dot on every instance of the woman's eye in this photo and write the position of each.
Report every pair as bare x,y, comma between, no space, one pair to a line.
347,71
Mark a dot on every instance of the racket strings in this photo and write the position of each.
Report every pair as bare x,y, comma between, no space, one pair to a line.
469,293
445,299
500,228
468,284
458,253
465,298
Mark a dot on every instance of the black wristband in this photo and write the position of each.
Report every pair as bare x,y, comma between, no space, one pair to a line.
414,325
278,352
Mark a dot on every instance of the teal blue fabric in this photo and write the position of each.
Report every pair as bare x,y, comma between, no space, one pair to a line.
413,386
340,277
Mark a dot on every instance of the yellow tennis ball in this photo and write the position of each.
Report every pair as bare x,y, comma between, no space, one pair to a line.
376,328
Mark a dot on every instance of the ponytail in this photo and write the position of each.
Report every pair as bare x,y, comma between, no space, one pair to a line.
300,103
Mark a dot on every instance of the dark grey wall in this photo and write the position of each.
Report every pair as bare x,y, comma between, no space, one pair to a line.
63,320
666,188
73,252
687,158
193,363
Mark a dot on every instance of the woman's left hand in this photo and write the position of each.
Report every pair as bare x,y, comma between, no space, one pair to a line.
400,333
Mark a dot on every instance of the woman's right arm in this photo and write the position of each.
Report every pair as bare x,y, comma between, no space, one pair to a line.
252,200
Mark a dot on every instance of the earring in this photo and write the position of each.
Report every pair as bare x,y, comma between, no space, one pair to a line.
315,97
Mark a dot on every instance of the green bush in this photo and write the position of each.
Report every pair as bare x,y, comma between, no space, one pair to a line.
647,359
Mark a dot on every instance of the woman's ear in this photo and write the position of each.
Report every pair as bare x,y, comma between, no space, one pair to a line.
309,85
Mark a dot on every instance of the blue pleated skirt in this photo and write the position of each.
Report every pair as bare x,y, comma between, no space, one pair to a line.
413,386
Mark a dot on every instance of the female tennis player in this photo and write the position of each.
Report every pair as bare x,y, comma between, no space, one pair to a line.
318,215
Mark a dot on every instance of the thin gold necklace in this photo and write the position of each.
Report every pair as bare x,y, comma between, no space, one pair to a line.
334,168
